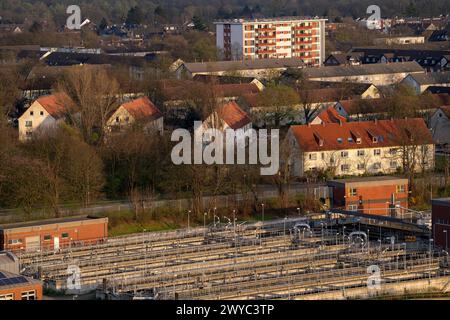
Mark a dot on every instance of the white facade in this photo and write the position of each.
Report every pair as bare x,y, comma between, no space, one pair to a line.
121,119
356,161
36,118
272,38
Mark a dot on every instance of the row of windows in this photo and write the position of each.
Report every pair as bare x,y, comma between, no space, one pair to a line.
25,295
359,153
32,113
400,188
47,237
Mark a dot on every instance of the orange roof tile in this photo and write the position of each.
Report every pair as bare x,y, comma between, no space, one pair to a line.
56,104
335,136
330,115
142,108
233,115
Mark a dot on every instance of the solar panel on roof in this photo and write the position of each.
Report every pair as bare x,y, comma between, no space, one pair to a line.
21,280
1,283
2,276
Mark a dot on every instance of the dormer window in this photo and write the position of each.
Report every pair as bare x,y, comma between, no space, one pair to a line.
375,139
339,140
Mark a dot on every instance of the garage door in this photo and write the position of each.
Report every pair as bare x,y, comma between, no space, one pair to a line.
32,243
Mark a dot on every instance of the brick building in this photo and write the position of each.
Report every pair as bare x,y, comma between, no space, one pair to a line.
53,234
440,217
382,195
285,37
16,287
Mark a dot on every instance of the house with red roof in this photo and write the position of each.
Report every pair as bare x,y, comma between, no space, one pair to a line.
356,148
228,115
328,115
141,111
43,114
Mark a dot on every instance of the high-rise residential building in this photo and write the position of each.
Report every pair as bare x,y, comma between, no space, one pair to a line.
284,37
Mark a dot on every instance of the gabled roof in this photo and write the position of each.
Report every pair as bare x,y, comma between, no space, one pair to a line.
142,108
335,136
446,110
330,115
432,78
365,69
55,104
233,115
438,90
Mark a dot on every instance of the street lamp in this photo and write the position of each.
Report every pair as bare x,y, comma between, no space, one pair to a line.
343,235
284,226
204,224
298,211
446,240
188,222
262,207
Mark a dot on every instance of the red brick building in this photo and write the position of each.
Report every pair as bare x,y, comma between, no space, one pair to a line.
53,234
16,287
382,195
440,217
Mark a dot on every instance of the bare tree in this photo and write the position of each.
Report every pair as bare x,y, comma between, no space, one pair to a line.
94,95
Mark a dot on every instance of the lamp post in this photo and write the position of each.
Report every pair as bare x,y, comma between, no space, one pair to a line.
446,240
284,226
431,241
298,211
343,235
262,208
204,224
188,222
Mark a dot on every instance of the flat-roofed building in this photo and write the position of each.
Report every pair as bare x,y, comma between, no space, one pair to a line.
53,234
440,220
381,195
17,287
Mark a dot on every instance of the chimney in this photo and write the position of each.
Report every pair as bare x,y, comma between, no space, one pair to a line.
375,121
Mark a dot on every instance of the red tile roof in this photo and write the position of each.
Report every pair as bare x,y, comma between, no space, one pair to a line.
233,115
334,136
142,108
330,115
236,89
56,104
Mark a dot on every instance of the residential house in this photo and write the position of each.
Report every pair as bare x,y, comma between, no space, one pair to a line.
375,108
259,68
355,148
399,40
439,35
431,60
440,128
328,115
376,74
138,111
342,59
228,116
44,114
420,82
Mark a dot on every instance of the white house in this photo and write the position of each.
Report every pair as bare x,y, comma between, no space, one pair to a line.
420,82
44,114
355,148
228,116
440,127
140,110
